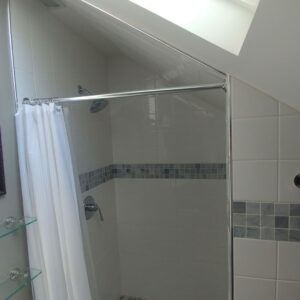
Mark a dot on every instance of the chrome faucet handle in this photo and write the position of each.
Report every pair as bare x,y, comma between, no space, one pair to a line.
91,207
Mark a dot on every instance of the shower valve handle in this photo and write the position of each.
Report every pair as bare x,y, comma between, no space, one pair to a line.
91,207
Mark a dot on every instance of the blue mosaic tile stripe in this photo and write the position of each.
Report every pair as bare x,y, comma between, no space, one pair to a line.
266,221
94,178
166,171
159,171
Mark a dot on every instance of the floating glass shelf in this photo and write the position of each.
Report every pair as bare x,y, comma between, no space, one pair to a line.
15,281
11,225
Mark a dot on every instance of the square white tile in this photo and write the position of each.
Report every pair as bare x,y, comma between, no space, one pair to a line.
288,290
254,289
289,147
285,110
289,261
250,102
255,181
255,258
288,192
255,138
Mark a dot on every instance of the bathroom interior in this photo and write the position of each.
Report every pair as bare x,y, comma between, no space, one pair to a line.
134,170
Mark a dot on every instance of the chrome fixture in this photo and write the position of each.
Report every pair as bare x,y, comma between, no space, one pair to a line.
97,105
151,92
91,207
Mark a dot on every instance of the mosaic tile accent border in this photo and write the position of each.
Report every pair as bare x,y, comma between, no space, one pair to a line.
92,179
266,221
180,171
159,171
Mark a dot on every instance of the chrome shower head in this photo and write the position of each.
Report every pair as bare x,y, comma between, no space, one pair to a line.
97,105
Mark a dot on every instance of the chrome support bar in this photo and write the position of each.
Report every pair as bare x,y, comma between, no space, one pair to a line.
150,92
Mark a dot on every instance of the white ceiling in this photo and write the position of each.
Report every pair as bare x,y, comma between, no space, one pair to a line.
269,59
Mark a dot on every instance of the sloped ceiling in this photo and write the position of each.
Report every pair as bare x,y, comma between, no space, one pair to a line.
112,38
269,59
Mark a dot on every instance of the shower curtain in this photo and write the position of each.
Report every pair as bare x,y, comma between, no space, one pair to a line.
55,242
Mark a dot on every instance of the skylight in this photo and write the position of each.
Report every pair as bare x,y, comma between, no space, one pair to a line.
224,23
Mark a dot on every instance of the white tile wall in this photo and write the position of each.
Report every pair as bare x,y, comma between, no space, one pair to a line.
265,162
251,179
170,247
288,290
255,258
288,192
285,110
288,261
249,102
265,148
166,124
255,138
289,143
253,288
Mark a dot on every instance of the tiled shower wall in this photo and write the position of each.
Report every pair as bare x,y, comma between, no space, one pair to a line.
170,246
266,158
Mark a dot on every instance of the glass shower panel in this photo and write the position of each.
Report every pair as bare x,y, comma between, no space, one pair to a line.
171,196
156,167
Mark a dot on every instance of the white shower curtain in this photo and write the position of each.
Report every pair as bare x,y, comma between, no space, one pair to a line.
55,242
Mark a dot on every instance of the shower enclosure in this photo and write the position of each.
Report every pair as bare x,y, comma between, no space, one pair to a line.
150,142
161,187
154,162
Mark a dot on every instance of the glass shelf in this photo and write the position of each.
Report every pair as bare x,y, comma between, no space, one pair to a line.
11,225
15,281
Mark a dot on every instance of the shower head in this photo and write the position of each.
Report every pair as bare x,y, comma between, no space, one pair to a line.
53,3
97,105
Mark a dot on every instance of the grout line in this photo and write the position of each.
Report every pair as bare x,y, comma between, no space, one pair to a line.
254,277
277,263
255,117
278,198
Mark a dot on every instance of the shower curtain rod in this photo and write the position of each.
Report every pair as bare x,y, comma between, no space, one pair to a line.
160,91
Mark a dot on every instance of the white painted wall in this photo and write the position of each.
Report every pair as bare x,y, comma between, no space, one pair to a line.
51,60
12,248
170,246
265,161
